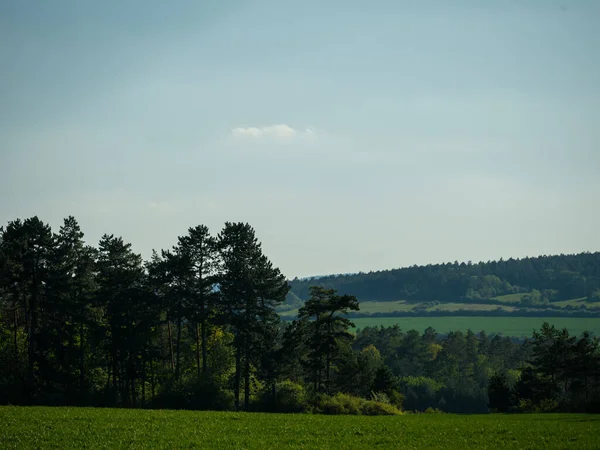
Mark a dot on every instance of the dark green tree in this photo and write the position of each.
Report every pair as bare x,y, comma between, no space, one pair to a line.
121,294
27,247
250,289
325,311
200,249
499,393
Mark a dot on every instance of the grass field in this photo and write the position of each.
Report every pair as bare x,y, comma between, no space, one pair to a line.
43,427
469,307
511,303
577,302
510,298
508,326
380,307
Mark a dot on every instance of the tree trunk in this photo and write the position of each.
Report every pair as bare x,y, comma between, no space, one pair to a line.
132,376
171,347
328,355
32,334
178,347
16,340
114,377
236,381
81,358
143,399
204,343
152,386
247,373
319,374
198,350
70,347
328,366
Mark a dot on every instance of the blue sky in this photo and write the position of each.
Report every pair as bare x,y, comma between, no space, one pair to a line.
352,135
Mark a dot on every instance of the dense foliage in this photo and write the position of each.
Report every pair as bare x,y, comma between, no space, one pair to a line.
546,278
197,327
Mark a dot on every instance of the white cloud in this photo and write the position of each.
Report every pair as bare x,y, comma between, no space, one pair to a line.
272,131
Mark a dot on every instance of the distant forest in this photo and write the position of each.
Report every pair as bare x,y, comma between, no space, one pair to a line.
549,278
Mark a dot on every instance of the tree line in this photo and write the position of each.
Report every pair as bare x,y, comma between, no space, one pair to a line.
83,324
548,278
196,326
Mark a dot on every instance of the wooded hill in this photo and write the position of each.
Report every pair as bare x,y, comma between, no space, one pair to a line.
546,279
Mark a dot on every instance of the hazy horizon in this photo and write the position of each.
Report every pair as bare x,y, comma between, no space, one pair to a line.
351,136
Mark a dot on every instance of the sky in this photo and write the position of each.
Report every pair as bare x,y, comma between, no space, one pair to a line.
352,135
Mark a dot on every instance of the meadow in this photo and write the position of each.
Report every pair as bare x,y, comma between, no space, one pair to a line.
60,427
510,303
508,326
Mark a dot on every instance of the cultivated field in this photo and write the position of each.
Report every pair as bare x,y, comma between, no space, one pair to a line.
510,304
36,427
508,326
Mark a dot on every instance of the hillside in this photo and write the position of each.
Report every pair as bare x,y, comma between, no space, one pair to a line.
533,282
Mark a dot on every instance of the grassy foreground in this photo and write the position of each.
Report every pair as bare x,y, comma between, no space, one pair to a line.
508,326
43,427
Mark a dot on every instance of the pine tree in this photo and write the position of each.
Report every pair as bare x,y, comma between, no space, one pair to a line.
250,289
200,249
326,310
121,295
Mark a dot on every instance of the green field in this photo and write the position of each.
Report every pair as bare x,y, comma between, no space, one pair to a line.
470,307
67,428
509,326
387,307
510,298
511,304
577,302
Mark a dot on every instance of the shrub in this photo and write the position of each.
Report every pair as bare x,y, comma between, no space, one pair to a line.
202,395
290,397
431,410
397,399
380,397
373,408
350,405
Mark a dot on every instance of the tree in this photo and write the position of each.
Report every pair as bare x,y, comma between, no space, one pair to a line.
499,393
326,310
250,289
26,247
201,251
71,289
122,296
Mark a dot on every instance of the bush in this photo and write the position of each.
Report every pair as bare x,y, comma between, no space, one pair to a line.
341,404
397,399
202,395
543,406
380,397
349,405
290,397
431,410
373,408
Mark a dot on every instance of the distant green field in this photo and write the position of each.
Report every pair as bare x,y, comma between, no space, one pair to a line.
470,307
577,302
403,306
510,298
386,307
511,304
69,428
508,326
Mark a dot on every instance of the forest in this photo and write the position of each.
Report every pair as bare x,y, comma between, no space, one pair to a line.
197,327
550,279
